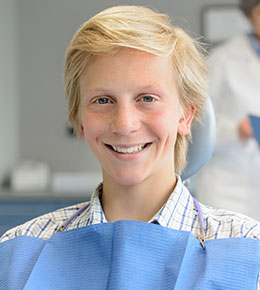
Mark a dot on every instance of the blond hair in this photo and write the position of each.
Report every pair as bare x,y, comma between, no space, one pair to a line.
146,30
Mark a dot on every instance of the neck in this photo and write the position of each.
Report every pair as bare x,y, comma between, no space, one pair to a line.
136,202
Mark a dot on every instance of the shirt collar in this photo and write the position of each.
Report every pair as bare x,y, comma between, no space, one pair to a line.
96,213
177,208
173,213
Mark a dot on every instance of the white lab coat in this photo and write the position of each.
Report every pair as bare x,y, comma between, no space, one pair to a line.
231,179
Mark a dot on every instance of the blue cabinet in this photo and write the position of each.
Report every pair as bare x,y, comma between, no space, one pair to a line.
18,211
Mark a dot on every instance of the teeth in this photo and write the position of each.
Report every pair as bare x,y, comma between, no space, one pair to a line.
129,150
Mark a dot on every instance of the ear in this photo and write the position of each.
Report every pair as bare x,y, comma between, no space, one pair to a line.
186,120
80,125
81,131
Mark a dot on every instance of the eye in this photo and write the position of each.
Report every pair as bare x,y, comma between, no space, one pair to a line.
147,99
102,101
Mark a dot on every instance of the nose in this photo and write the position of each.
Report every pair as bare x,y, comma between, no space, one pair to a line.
125,120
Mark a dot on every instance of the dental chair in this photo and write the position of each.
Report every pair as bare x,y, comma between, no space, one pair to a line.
202,144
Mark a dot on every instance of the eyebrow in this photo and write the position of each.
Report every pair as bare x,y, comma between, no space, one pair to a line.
97,91
145,88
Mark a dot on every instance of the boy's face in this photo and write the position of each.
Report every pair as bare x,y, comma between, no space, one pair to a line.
130,114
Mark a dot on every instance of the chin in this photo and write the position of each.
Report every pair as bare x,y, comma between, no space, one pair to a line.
129,179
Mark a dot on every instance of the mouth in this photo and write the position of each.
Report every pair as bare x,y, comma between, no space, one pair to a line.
128,150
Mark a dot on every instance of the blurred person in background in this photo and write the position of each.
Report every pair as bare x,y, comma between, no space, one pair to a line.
232,177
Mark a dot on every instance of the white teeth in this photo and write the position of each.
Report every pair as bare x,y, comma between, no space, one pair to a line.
129,150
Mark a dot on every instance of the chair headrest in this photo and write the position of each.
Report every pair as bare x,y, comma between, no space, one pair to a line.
203,142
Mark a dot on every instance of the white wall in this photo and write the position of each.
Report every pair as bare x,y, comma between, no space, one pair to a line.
44,29
8,85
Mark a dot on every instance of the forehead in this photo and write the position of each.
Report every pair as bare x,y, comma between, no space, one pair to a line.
128,66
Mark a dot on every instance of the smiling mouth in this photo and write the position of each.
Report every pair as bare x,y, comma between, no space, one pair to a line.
128,150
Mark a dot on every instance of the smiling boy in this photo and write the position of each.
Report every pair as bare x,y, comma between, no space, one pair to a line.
134,85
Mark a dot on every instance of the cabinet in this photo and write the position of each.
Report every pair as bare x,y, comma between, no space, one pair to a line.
15,211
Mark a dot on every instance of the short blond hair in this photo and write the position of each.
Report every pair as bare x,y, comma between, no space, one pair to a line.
143,29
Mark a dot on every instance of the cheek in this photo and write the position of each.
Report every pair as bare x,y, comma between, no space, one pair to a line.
164,123
93,127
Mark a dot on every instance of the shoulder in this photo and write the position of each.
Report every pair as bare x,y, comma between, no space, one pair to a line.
231,48
43,226
222,223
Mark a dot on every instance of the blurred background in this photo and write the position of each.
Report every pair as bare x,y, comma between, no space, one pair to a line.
42,166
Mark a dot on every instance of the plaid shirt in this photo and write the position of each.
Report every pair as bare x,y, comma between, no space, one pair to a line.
178,213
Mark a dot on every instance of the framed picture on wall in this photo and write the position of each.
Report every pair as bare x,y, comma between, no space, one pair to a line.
220,22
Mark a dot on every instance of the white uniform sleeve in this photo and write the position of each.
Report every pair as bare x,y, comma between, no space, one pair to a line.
222,99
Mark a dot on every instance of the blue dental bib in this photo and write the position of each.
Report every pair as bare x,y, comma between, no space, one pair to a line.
128,255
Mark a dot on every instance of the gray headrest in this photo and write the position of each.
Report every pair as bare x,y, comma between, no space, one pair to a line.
203,142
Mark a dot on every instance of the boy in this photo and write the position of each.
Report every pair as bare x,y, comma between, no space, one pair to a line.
134,85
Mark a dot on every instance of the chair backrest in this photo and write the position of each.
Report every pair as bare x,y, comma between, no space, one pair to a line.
203,142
